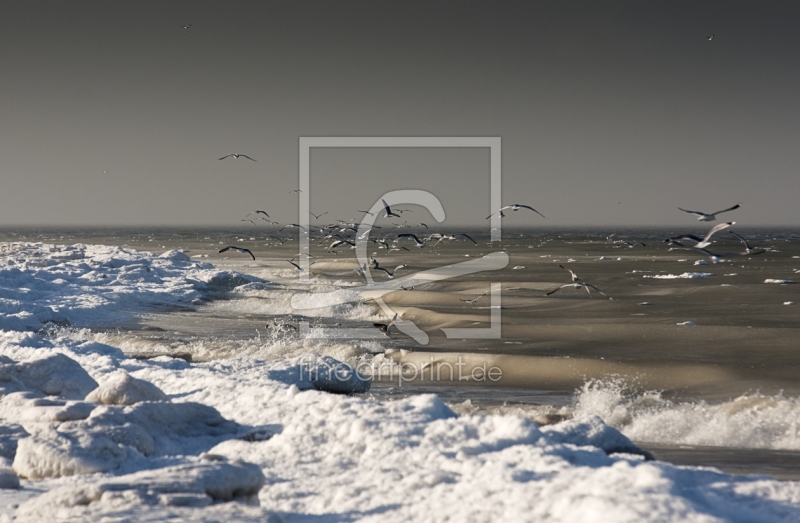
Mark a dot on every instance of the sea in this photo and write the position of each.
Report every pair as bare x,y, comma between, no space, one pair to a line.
694,359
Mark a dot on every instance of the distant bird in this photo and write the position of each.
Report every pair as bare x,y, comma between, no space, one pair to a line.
239,249
629,244
515,207
293,225
749,249
258,212
187,26
234,155
709,38
282,240
473,300
424,225
341,242
419,243
701,242
386,327
577,283
317,216
710,217
295,190
388,210
390,273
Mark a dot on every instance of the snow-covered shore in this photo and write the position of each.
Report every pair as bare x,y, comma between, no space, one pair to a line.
102,435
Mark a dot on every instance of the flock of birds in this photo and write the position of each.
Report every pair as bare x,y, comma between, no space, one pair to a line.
345,234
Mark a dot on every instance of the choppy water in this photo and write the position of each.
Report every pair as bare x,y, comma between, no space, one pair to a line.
730,381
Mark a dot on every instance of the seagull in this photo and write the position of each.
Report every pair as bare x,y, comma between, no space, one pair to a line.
419,243
293,225
719,257
239,249
710,217
424,225
234,155
701,242
317,216
388,210
282,240
748,248
258,212
577,284
515,207
709,38
295,190
187,26
473,300
391,274
386,327
341,242
629,244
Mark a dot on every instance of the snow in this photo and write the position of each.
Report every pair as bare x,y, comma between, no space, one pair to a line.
245,439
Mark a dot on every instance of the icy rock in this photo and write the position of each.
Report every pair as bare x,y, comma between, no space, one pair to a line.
331,375
592,431
49,453
113,434
55,375
193,485
122,389
30,406
8,479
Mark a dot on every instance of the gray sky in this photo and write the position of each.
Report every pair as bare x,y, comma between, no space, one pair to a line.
611,113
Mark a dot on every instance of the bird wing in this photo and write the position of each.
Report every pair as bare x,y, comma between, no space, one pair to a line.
531,208
409,235
715,229
728,209
746,244
245,156
467,236
386,207
698,213
587,285
225,249
296,266
248,252
228,156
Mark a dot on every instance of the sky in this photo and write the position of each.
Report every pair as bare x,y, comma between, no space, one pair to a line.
611,113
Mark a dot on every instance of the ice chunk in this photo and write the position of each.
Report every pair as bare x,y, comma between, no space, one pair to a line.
592,431
54,375
191,485
122,389
331,375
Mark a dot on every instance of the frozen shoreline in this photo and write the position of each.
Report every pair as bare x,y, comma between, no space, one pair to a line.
332,456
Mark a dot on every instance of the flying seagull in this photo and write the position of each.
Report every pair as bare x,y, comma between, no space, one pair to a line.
187,26
317,216
577,284
701,242
391,274
473,300
238,249
749,249
291,225
709,38
515,207
234,155
258,212
388,210
710,217
417,241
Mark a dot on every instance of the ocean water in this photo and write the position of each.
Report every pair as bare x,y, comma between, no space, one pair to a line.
693,360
